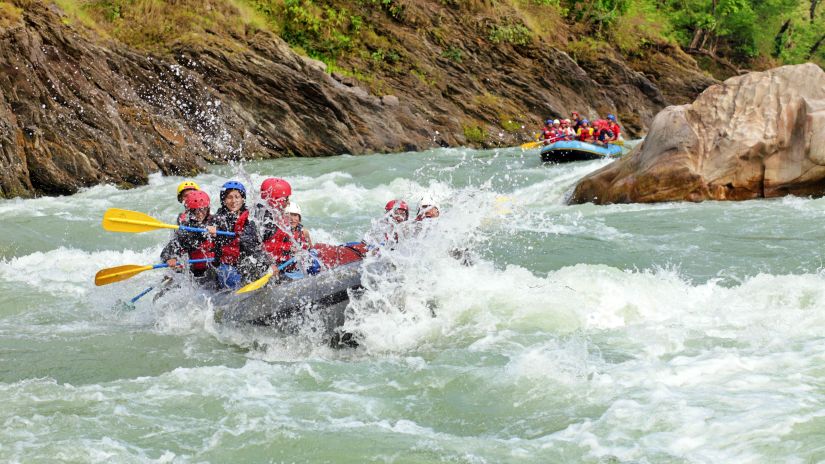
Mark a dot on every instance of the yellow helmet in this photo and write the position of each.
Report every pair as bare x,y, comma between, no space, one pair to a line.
186,185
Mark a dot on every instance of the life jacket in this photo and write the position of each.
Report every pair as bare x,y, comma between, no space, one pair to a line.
231,252
206,250
615,128
279,245
585,133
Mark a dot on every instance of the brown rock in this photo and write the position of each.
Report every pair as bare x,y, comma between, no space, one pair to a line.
757,135
77,109
389,100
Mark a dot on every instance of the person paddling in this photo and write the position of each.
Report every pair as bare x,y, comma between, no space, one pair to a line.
273,220
614,127
301,241
193,245
389,229
237,258
184,189
427,209
299,233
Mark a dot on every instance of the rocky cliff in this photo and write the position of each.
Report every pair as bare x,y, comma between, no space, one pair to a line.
78,108
758,135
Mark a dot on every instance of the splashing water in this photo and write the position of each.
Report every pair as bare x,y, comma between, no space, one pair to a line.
627,333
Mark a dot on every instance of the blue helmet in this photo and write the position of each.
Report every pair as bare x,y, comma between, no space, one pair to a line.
585,121
233,185
548,122
611,117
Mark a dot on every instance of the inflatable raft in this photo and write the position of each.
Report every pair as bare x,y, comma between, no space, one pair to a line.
566,151
290,303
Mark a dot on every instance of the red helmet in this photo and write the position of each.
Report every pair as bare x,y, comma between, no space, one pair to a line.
274,187
196,200
397,204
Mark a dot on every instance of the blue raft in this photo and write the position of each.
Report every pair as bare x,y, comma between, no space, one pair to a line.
566,151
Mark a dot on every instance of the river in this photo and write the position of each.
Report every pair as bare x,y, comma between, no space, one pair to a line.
665,333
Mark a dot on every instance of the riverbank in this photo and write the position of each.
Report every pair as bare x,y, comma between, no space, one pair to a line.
88,99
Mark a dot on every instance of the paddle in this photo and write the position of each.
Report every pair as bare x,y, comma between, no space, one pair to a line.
531,145
123,220
537,143
140,295
116,274
251,287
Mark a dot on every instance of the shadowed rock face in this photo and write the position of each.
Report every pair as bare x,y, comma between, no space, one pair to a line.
75,111
754,136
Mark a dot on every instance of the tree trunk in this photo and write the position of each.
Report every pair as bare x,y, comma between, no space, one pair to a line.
814,3
697,36
815,47
704,40
777,41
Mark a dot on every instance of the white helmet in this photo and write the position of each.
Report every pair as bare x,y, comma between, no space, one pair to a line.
293,208
556,121
427,201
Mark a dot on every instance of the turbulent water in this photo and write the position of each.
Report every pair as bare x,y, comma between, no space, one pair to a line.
629,333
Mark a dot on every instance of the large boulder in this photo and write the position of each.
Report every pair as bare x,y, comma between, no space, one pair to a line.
759,135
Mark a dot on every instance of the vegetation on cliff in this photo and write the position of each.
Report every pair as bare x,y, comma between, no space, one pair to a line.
361,38
111,90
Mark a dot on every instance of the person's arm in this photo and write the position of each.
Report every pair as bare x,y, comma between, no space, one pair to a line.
307,238
172,251
214,224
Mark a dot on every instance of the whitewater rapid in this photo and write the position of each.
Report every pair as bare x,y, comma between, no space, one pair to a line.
626,333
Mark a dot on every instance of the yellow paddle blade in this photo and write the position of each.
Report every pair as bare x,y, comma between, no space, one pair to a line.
619,142
530,145
123,220
251,287
116,274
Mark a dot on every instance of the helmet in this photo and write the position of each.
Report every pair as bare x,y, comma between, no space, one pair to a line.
232,185
567,121
397,204
575,113
274,187
293,208
427,201
197,200
611,117
186,185
548,122
556,121
585,121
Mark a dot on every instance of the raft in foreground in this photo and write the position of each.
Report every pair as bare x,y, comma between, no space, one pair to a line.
289,305
566,151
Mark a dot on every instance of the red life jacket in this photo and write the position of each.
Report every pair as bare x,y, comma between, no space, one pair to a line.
615,128
205,250
231,252
279,245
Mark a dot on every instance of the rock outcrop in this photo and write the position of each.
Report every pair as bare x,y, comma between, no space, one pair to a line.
758,135
78,109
